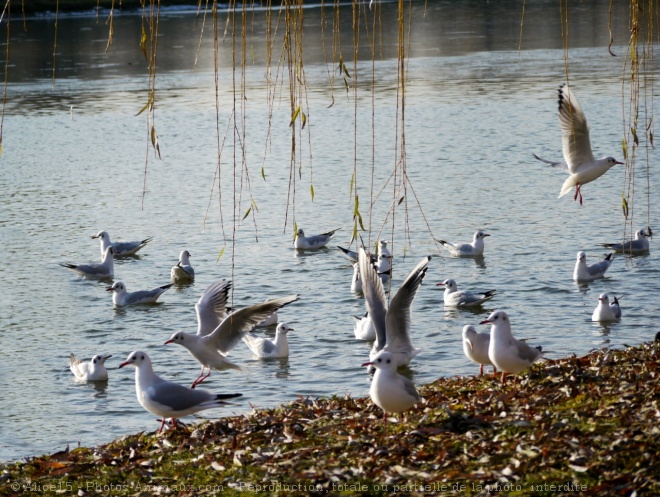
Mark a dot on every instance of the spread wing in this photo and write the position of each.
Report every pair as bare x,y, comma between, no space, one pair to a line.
234,327
211,307
574,131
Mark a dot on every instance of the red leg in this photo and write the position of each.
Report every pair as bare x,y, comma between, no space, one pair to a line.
481,369
174,423
200,378
162,423
503,377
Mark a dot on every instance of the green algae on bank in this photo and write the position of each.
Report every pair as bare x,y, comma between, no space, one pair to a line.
585,425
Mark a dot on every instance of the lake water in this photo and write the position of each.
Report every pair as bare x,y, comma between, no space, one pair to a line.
73,163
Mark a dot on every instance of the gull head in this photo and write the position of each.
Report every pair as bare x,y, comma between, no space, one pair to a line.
100,359
611,161
103,235
136,359
300,233
283,328
604,298
480,235
117,287
449,284
179,338
184,257
383,361
581,256
495,318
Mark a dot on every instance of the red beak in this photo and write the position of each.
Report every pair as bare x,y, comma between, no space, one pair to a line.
124,364
368,364
169,341
485,321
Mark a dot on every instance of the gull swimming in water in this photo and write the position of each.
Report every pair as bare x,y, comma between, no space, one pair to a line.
103,270
475,347
303,242
93,370
635,246
265,348
505,352
389,390
210,349
579,161
183,272
166,399
122,248
464,298
392,324
584,272
122,297
474,249
606,311
364,328
382,250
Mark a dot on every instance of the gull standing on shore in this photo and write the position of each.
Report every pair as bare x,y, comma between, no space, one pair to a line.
166,399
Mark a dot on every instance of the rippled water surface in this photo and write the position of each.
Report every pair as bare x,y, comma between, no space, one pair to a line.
73,163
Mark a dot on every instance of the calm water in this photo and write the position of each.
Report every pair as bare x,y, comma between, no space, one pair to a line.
476,109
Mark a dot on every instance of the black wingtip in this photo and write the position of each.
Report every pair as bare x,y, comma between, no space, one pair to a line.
223,396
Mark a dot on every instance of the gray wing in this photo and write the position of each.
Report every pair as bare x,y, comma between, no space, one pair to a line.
211,307
145,295
234,327
258,345
318,240
410,388
374,297
526,352
177,397
89,269
129,248
399,316
574,131
599,267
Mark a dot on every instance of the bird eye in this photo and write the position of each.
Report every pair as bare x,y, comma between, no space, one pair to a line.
388,361
142,358
380,359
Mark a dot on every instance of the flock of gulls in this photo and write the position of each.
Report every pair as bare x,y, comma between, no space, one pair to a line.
385,323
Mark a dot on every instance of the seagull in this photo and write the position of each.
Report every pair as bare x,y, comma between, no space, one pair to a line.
122,249
356,282
103,270
505,352
211,347
263,347
121,297
579,161
606,311
475,346
389,390
392,324
464,298
166,399
364,328
384,267
637,245
303,242
94,370
269,321
183,272
584,272
476,248
353,256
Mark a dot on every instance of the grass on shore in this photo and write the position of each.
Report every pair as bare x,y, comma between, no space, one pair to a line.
587,425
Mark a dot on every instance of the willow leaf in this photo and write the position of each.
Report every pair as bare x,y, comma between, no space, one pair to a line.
401,200
143,43
220,254
263,173
304,120
350,190
311,190
624,206
295,115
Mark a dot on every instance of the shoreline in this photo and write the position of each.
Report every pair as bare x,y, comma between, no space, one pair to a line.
586,425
